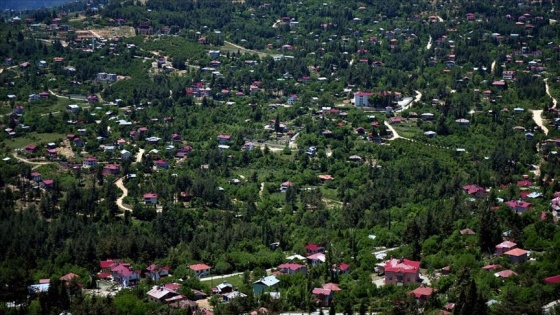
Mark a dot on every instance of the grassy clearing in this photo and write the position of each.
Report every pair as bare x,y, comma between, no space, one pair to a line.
33,138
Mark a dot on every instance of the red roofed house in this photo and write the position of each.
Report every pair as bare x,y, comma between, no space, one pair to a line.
402,271
422,293
31,148
341,269
292,268
36,176
106,265
90,162
331,286
325,178
552,280
323,296
519,206
111,169
311,249
517,255
475,191
47,183
505,274
150,198
223,139
492,267
361,98
504,247
467,231
201,270
69,277
125,275
285,185
161,164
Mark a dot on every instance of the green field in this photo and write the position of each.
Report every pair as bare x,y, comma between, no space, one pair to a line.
33,138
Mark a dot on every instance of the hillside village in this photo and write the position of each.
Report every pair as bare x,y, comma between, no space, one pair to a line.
255,157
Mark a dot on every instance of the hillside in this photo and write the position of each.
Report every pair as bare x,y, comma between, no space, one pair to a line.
236,157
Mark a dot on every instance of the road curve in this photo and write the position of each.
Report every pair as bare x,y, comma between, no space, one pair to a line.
120,203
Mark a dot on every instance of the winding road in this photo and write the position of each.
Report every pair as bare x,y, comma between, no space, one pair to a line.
537,117
554,101
120,203
36,164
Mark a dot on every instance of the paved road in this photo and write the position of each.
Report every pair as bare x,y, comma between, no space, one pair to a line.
67,97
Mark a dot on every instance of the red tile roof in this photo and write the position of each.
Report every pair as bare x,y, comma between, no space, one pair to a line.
553,279
199,267
404,266
422,292
516,252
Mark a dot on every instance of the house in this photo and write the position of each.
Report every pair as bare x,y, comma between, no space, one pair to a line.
427,116
475,191
491,267
552,280
504,247
285,185
31,149
311,249
233,295
269,283
361,98
517,255
508,75
325,178
422,293
78,142
52,154
150,198
69,277
292,268
90,162
519,206
462,122
223,138
176,137
33,97
36,177
292,99
124,274
467,231
316,259
152,140
161,294
505,274
73,108
156,272
201,270
401,271
125,155
161,164
223,288
323,296
47,184
111,169
109,149
430,134
248,146
341,269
